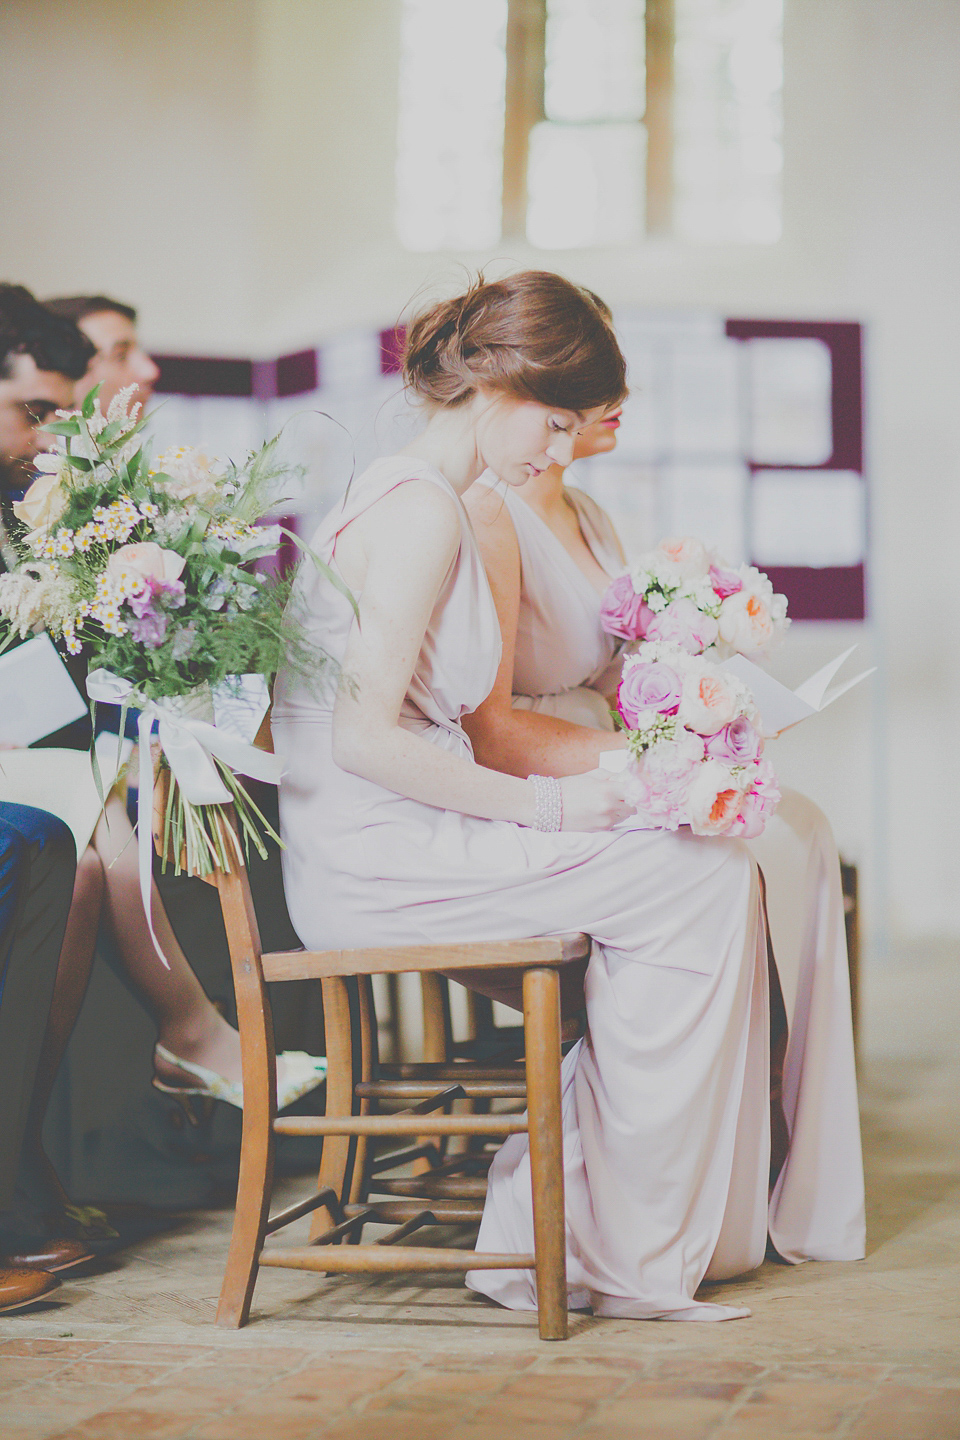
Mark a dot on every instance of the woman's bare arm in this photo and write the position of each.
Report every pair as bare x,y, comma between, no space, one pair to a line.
519,742
396,557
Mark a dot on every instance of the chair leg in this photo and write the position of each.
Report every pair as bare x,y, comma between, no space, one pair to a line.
541,1015
259,1101
369,1060
335,1161
437,1044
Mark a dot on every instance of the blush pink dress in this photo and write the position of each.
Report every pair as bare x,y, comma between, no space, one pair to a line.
665,1104
563,656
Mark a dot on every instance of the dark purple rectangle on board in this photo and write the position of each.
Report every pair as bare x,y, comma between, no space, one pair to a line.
202,375
833,593
844,339
391,349
298,374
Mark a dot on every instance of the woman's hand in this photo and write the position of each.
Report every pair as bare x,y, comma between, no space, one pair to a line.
593,801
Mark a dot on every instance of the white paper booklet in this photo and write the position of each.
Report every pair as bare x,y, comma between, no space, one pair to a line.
61,781
781,708
37,695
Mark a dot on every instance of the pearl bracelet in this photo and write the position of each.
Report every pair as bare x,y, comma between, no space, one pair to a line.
549,815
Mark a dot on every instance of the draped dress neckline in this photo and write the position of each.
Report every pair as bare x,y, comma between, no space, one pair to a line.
561,644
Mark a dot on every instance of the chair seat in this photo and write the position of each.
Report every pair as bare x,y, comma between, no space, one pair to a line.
399,959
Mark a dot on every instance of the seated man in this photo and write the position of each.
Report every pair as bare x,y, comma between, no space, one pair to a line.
119,360
47,928
43,356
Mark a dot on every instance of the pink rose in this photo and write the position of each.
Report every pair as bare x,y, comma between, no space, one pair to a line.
650,685
724,582
713,800
657,785
623,612
758,804
740,741
683,624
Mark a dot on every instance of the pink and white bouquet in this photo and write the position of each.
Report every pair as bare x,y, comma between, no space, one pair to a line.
694,734
684,594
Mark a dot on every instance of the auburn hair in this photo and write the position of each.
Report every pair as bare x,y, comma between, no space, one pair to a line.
533,336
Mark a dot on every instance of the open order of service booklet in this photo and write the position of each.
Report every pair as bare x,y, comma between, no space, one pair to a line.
37,695
781,708
37,698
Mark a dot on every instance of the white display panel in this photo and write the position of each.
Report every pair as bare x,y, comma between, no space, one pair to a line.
813,518
789,386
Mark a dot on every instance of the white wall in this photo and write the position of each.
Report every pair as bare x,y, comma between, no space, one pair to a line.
245,150
125,136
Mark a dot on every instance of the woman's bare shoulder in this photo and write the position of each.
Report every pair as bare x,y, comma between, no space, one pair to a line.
416,513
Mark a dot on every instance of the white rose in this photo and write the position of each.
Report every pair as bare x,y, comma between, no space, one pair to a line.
46,499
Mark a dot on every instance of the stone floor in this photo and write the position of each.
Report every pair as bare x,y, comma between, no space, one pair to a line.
869,1350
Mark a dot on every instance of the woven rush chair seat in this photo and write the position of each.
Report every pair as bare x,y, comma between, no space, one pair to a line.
355,1186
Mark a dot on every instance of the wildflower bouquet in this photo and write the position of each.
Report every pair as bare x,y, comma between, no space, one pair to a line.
682,593
694,736
146,567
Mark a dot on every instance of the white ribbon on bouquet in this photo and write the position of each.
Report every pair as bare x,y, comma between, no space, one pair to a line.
189,745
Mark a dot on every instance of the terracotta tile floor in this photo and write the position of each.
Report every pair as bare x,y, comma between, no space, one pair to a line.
868,1351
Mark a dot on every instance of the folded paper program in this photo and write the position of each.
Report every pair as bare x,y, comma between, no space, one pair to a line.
37,695
780,708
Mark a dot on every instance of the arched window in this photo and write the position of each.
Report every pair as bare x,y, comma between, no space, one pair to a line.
589,122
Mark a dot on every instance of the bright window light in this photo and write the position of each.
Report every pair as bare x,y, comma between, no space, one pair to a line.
585,185
586,167
728,124
450,128
595,60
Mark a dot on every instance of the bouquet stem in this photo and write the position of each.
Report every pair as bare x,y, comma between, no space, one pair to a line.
202,839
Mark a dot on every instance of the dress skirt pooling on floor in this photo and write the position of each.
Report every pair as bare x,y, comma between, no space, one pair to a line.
562,667
666,1120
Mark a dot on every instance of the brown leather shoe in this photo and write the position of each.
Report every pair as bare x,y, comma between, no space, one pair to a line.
24,1287
50,1255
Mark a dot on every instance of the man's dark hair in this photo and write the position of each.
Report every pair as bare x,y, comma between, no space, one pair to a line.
53,342
78,307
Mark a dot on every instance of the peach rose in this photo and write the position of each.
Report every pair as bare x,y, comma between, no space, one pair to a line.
713,800
709,703
131,566
689,555
746,623
43,503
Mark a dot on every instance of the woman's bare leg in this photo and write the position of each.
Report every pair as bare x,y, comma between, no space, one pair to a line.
189,1023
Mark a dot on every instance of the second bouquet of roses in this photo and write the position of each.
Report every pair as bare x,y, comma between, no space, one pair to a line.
697,751
683,593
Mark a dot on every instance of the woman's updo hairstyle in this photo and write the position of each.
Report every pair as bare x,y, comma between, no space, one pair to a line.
534,336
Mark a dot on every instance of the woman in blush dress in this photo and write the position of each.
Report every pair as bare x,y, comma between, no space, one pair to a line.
550,552
395,835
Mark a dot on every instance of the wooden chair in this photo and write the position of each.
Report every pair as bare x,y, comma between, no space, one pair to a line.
358,1092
